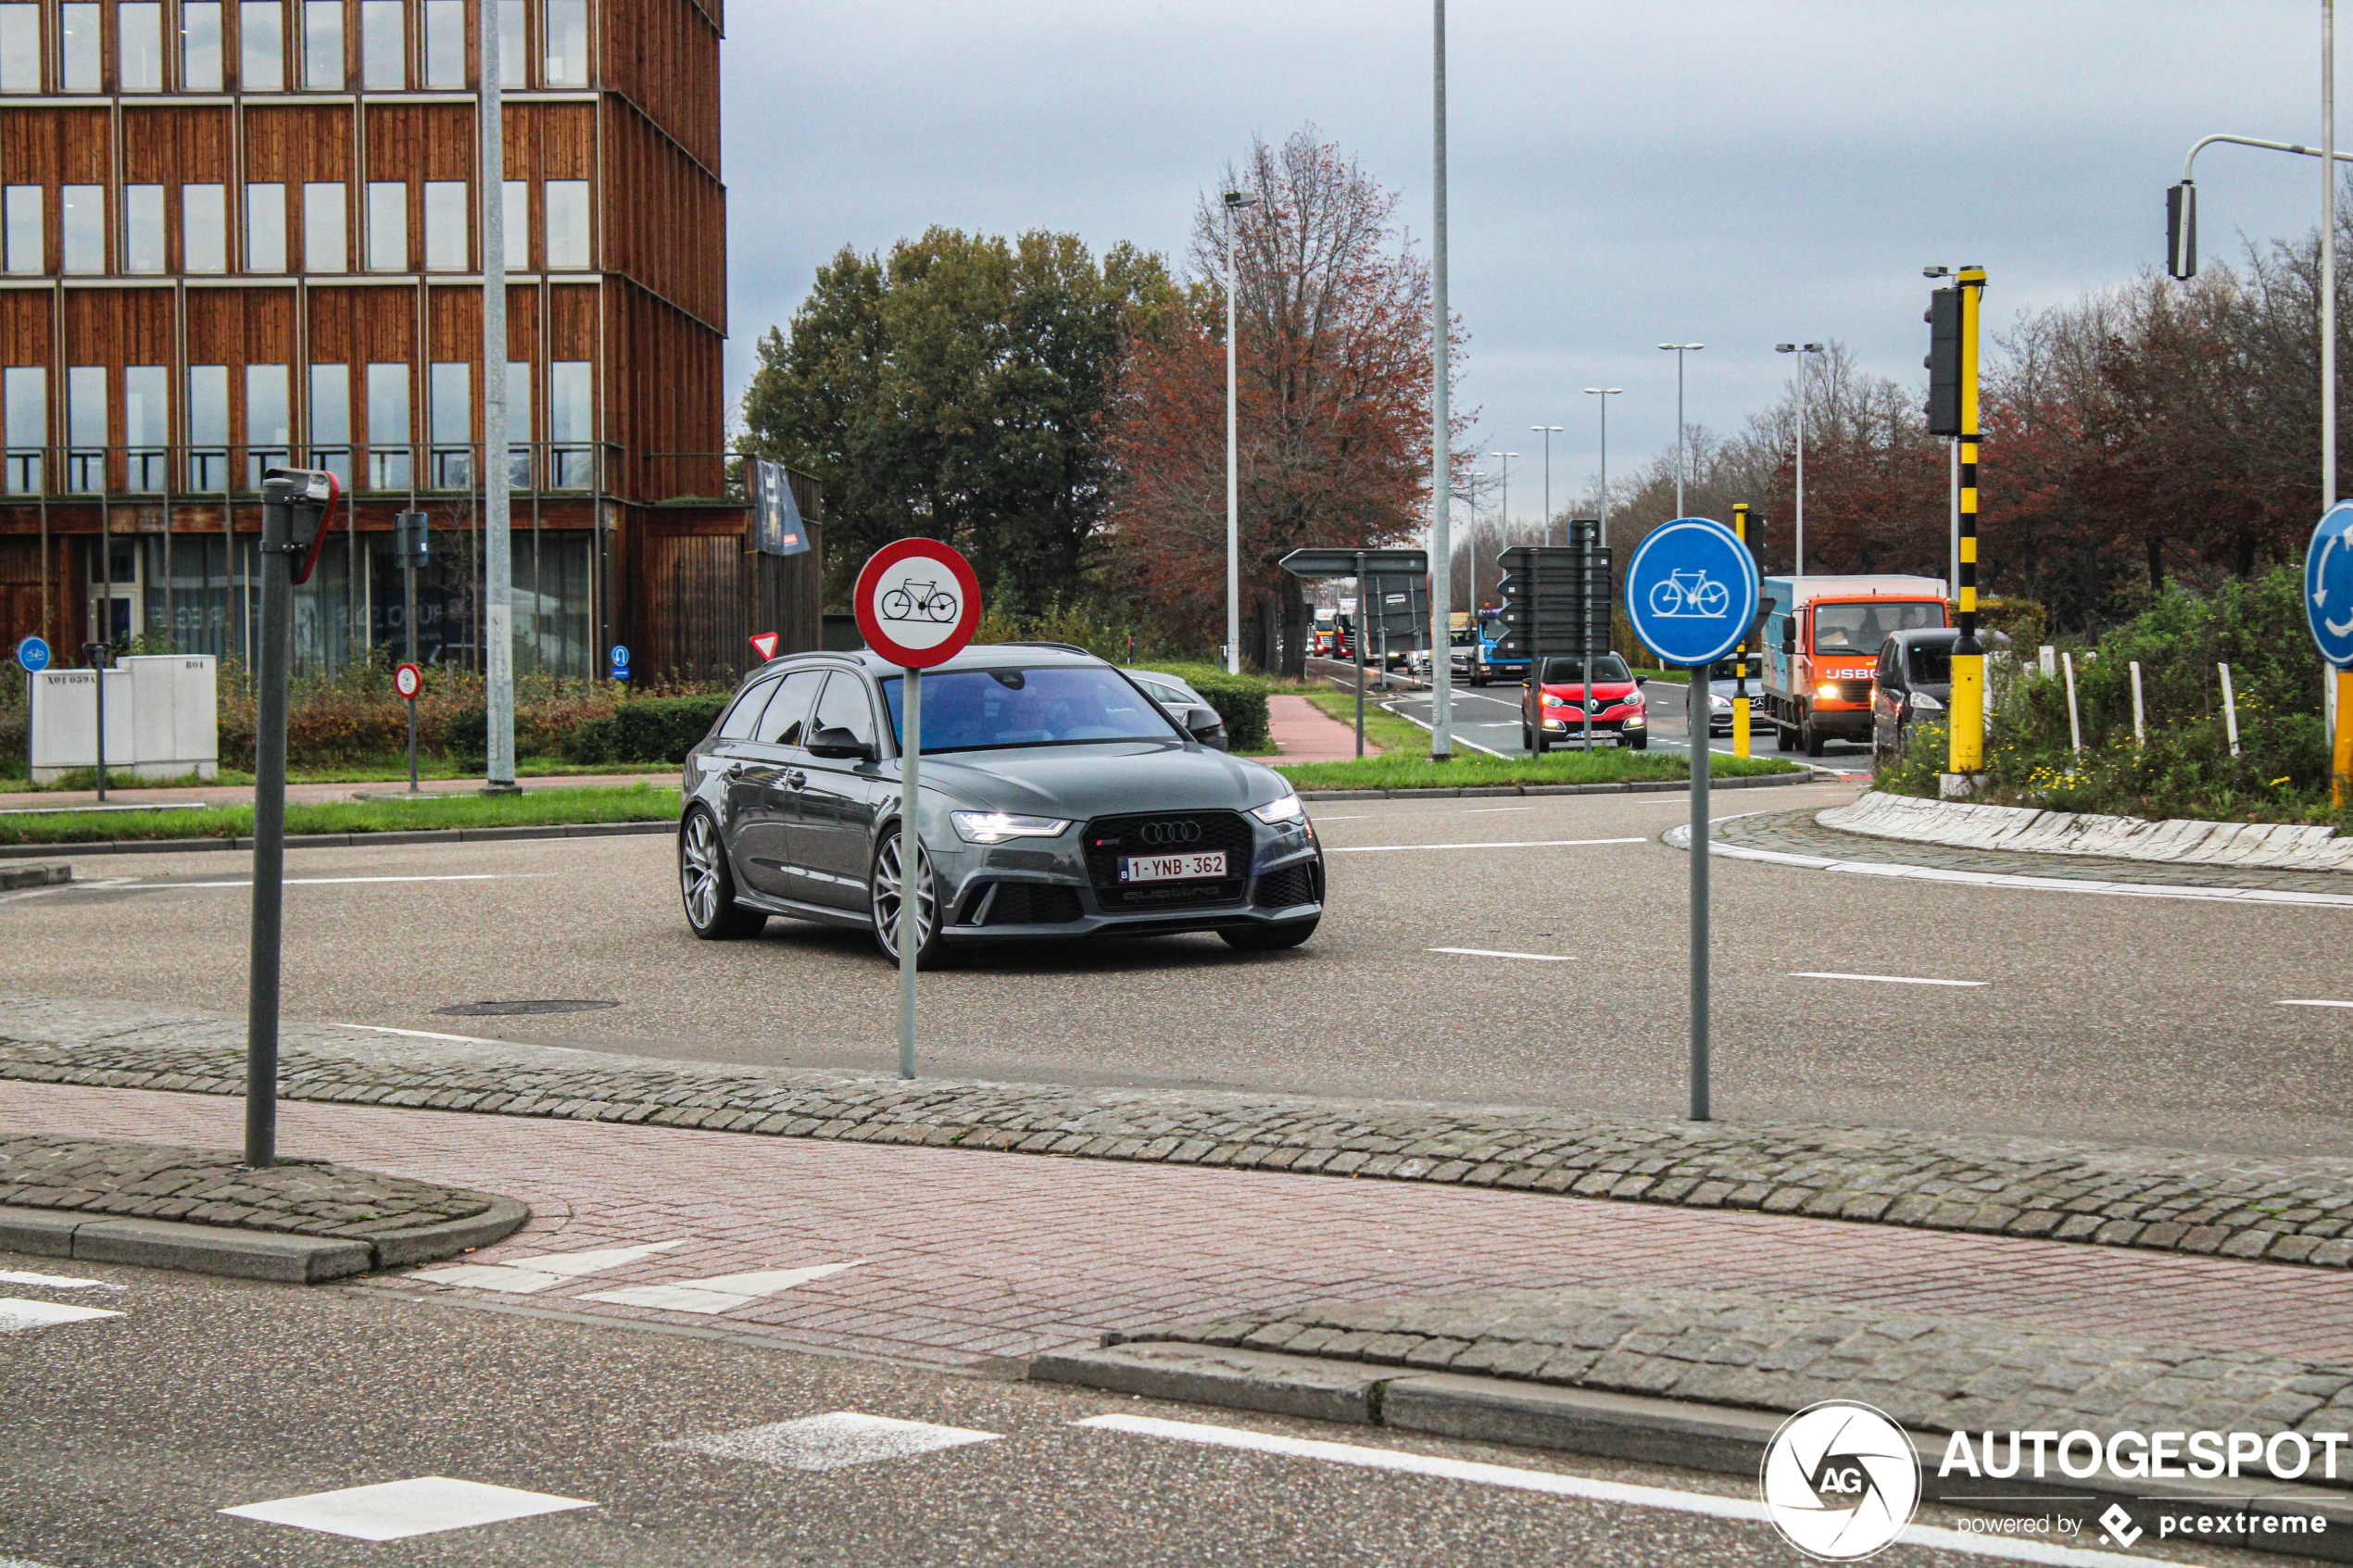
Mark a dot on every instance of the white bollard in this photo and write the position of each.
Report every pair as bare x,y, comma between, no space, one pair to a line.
2140,728
2074,722
2050,661
2230,709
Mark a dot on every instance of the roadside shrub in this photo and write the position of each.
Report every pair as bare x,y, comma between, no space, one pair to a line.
645,730
1241,700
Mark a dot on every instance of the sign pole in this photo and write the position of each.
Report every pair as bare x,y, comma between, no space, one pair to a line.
1695,721
269,834
95,652
1362,599
910,856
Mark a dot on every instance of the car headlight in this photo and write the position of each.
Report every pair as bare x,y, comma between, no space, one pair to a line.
1634,721
1924,703
1552,701
994,827
1827,689
1717,699
1290,808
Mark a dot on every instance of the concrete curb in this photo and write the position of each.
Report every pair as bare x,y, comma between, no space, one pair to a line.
276,1256
1637,786
1717,1438
338,840
14,877
2182,841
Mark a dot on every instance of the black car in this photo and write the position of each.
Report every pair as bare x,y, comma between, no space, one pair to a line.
1912,683
1059,800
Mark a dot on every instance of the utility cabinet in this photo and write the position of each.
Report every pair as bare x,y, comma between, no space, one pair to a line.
163,717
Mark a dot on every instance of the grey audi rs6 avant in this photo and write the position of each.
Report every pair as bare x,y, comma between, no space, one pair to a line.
1059,800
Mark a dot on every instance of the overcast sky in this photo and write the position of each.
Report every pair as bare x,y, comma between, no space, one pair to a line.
1726,174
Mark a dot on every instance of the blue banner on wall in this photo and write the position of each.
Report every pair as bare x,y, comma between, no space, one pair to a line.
780,529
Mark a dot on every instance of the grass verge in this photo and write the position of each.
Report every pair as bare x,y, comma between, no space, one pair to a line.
388,769
546,808
1405,770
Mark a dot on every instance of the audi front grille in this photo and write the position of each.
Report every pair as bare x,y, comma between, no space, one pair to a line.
1154,832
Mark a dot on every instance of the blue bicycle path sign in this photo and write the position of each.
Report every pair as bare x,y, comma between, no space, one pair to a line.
2328,583
1691,590
32,654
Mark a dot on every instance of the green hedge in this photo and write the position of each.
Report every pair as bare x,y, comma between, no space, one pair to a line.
646,730
1241,700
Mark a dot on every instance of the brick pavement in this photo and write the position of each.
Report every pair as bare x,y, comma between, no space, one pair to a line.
1303,732
2283,1209
969,1256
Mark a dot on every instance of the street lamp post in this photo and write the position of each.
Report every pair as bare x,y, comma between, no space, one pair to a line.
1235,202
1680,349
1441,452
1547,432
1606,394
1805,373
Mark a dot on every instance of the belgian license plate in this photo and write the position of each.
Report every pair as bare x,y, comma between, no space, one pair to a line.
1196,867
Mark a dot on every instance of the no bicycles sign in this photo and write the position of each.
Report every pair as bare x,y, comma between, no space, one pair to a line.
918,602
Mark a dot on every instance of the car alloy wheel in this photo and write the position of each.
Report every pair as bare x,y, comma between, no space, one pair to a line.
707,886
885,892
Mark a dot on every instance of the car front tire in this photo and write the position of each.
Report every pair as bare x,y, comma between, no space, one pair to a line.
707,885
883,884
1269,938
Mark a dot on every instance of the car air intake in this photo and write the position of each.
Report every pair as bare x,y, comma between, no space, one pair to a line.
1023,903
1291,885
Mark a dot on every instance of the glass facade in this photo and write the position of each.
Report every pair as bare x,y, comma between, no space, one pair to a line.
266,228
146,428
331,421
142,229
24,415
388,435
20,48
21,243
269,422
324,228
200,46
139,45
208,428
261,56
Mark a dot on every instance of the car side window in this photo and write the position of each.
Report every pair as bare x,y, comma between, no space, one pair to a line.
745,713
844,707
786,722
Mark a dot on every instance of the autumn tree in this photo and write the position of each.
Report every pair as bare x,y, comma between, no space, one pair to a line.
1334,379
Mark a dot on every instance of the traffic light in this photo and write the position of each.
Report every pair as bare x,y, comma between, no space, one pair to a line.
412,539
295,505
1943,361
2181,231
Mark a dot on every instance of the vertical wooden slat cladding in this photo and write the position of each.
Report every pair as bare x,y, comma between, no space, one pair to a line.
20,592
693,599
667,219
25,322
665,383
665,56
118,327
179,145
295,143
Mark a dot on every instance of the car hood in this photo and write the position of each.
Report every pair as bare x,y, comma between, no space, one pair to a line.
1608,691
1094,780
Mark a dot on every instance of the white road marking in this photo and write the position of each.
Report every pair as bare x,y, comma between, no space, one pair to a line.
54,1282
2283,1003
424,1034
1525,844
395,1510
140,806
1359,817
1490,810
1619,1492
1880,979
524,1276
833,1442
722,1293
1460,739
1492,953
18,1313
326,881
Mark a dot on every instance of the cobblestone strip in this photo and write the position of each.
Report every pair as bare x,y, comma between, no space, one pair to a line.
2189,841
209,1186
1930,1372
1798,833
2285,1211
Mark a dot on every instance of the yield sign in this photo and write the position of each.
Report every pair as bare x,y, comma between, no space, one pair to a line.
764,645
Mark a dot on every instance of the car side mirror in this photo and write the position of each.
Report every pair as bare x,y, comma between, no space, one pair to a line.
1204,725
1788,636
1641,680
836,744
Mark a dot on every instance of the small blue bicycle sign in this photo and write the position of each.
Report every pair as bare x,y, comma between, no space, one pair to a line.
32,654
1690,591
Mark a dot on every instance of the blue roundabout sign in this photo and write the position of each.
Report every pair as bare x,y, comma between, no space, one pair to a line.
1691,590
2328,583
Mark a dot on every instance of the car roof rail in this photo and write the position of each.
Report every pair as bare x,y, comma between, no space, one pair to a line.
1060,647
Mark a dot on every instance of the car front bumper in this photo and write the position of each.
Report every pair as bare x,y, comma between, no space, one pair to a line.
1025,891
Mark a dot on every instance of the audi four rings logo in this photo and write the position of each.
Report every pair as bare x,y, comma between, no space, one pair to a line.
1169,833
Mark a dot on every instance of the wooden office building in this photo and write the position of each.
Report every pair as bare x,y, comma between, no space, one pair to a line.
240,233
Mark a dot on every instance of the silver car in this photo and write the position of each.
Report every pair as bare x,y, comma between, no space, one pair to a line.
1059,800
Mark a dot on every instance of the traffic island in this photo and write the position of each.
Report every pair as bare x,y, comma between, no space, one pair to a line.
1702,1380
166,1207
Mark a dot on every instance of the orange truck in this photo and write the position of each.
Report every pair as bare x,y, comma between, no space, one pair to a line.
1822,637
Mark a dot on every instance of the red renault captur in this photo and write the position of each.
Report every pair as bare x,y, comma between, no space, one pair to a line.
1619,710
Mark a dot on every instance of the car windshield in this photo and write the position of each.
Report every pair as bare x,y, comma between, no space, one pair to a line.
984,710
1861,628
1933,665
1571,672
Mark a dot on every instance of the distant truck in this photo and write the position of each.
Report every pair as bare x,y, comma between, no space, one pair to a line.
1821,643
1484,666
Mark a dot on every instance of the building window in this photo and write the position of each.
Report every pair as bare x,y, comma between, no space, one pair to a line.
269,422
387,427
445,225
19,48
139,41
85,228
388,226
79,60
453,431
142,229
571,423
384,44
209,427
444,43
519,424
20,236
331,421
147,426
86,429
566,42
324,245
261,45
204,227
567,224
266,228
25,389
200,46
515,208
323,45
514,50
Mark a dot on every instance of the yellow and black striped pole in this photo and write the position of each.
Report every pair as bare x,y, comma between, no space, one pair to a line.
1968,733
1740,655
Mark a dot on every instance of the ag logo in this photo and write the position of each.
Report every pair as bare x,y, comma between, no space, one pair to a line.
1841,1481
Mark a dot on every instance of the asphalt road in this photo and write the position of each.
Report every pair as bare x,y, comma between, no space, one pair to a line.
2144,1020
129,1434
